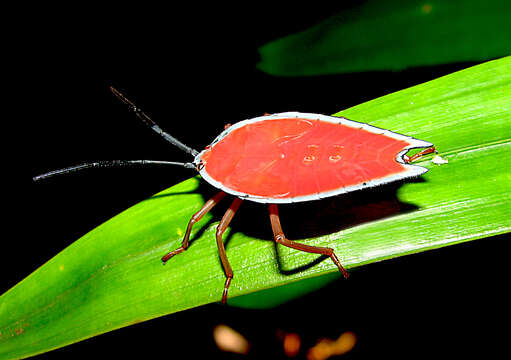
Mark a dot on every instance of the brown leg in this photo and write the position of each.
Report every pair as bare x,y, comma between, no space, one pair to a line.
196,217
220,243
420,154
280,238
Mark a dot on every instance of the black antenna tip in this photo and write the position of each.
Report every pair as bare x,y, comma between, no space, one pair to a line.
116,93
114,90
122,97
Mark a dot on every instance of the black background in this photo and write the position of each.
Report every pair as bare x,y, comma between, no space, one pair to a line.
192,68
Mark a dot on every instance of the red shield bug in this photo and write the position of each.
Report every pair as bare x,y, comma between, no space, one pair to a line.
285,158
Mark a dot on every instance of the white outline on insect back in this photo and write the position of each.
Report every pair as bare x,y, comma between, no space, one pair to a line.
411,170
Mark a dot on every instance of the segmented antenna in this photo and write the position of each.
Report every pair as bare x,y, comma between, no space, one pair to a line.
110,163
149,122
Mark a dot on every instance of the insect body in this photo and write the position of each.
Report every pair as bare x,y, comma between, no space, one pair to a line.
286,158
293,157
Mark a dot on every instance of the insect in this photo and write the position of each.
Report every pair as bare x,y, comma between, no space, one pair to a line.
282,159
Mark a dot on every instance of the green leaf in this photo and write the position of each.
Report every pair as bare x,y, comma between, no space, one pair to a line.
383,35
113,277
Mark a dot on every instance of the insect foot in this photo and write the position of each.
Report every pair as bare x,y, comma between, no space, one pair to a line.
169,255
280,238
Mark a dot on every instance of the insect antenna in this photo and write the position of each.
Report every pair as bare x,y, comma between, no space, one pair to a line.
149,122
110,163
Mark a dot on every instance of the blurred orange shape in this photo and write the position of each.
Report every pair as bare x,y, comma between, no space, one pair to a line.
327,347
292,344
228,339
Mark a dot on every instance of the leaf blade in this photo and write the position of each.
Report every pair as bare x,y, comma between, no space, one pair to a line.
112,277
370,36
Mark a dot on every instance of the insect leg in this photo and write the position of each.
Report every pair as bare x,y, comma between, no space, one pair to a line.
420,154
229,214
280,238
195,218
